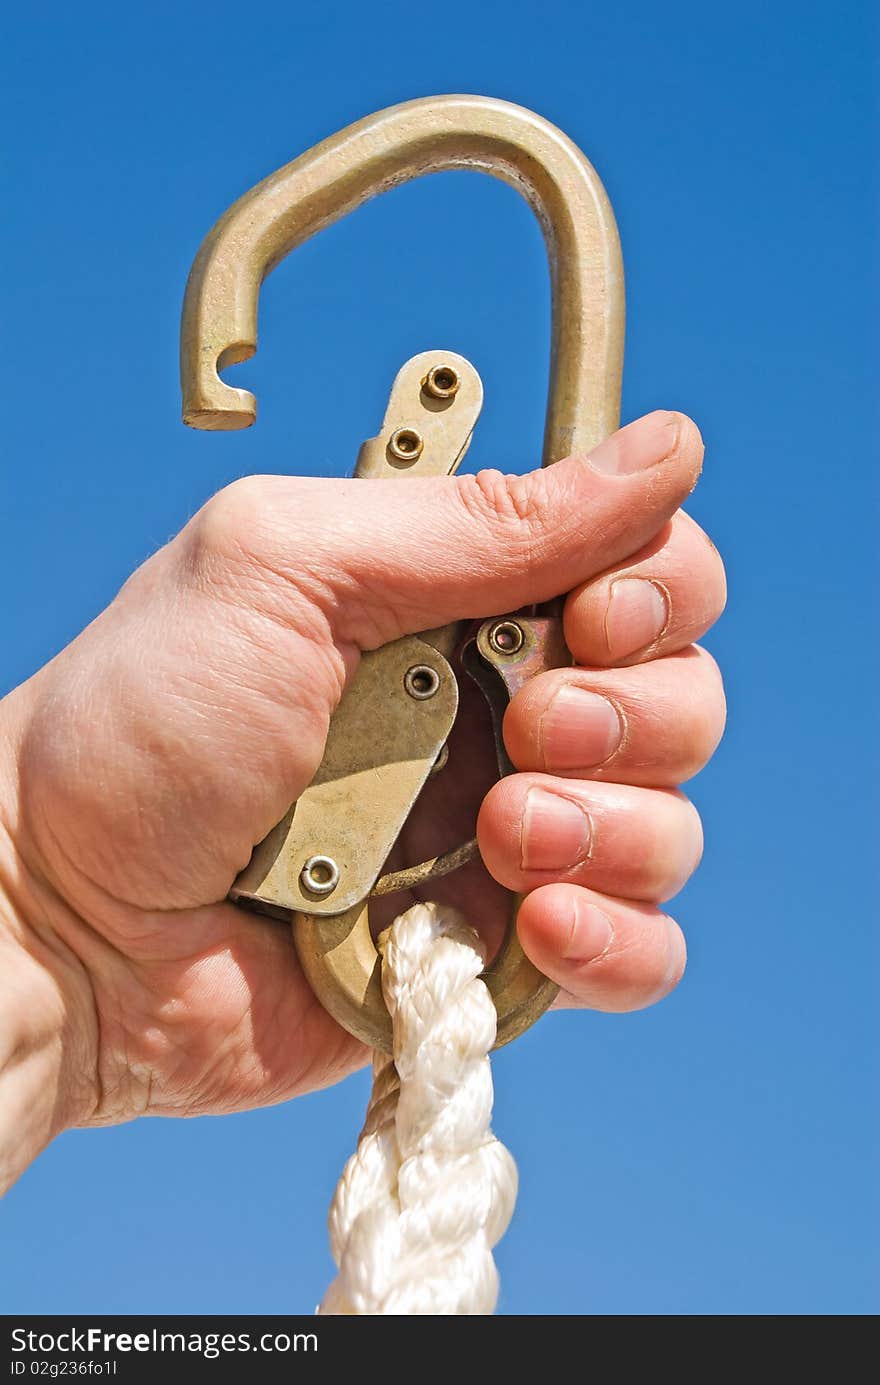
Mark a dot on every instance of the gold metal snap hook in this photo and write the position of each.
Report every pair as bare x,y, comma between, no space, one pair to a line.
323,861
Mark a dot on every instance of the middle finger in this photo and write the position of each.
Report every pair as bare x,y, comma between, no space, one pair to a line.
654,724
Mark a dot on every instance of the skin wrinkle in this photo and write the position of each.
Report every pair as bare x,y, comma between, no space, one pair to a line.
102,945
515,507
316,636
309,580
144,752
18,882
218,1065
316,595
266,710
72,1102
220,1059
351,623
370,621
112,1092
55,878
373,605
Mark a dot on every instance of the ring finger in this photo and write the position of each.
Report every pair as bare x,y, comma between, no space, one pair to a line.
654,724
635,843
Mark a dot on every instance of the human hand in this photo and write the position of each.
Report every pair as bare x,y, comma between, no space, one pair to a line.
143,763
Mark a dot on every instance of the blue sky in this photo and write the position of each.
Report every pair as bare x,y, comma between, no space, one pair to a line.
713,1155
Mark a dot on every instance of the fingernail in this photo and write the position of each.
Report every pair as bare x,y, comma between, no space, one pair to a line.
636,615
592,932
638,446
556,832
578,729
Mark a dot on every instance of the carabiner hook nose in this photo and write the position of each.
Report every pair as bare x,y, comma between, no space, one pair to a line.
294,873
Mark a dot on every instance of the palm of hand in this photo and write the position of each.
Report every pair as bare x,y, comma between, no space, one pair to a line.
201,1006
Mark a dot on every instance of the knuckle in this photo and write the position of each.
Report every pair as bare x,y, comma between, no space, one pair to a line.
514,507
230,524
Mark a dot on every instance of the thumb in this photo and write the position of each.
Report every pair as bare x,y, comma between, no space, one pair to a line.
388,558
410,556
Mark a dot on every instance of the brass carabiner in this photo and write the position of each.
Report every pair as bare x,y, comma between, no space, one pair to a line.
219,329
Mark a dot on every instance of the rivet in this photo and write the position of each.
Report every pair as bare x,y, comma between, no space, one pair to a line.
506,637
441,382
319,875
406,445
421,681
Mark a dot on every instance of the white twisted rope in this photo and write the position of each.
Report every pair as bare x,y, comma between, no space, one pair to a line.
429,1190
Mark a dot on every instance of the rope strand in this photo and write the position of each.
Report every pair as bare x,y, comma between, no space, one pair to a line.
429,1190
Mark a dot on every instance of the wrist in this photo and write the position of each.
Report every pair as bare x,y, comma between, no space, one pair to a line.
48,1032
